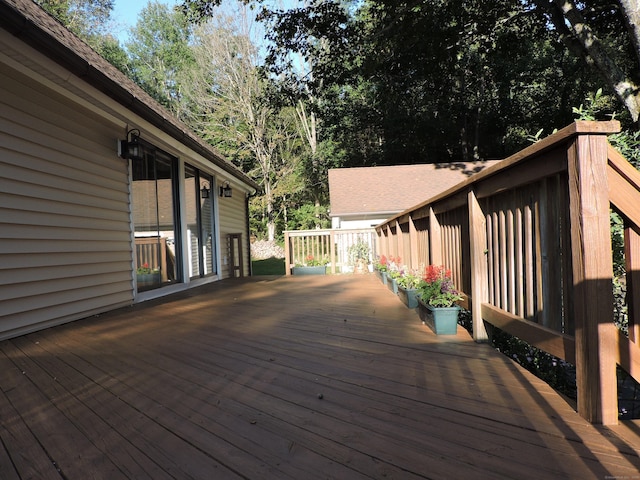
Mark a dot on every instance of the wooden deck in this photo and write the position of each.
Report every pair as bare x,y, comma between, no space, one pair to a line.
285,378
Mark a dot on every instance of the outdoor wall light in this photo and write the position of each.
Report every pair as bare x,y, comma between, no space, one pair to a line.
226,191
205,191
131,148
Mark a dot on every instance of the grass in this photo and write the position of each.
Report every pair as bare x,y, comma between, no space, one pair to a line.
269,266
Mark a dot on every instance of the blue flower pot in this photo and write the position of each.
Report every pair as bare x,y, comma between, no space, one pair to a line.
318,270
408,296
442,320
392,284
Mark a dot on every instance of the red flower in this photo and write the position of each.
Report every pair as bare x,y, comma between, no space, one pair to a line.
434,273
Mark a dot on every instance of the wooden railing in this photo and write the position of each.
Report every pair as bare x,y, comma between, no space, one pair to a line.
528,241
332,246
152,252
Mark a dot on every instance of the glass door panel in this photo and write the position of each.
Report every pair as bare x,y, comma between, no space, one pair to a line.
206,223
154,217
191,194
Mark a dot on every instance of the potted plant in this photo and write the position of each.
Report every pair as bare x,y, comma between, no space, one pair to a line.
311,266
393,273
408,284
147,276
359,256
437,299
381,268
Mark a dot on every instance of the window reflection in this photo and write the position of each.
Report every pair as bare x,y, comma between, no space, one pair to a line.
199,211
154,218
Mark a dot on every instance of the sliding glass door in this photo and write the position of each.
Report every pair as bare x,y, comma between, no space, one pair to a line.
198,187
155,219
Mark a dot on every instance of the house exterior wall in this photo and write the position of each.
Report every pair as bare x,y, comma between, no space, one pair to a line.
356,222
67,248
65,243
233,214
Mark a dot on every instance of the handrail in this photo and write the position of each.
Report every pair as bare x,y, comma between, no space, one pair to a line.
528,242
330,245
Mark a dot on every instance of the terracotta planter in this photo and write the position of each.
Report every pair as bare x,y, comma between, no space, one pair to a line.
442,320
408,296
317,270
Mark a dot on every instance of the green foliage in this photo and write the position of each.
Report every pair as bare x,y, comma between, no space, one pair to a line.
437,288
88,19
308,217
359,251
160,54
430,82
410,280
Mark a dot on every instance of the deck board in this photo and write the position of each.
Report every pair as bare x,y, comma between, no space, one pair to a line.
224,381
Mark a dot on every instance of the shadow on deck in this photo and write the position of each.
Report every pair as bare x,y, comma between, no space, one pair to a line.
285,377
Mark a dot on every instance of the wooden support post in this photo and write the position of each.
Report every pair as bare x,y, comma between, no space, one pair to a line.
414,261
592,279
632,260
479,267
400,236
332,251
287,254
435,240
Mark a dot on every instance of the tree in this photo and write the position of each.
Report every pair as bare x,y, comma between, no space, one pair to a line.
85,18
577,26
436,81
230,105
160,54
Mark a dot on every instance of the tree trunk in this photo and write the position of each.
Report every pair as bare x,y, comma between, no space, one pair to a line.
581,40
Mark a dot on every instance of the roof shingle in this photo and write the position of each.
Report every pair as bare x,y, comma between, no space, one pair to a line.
393,189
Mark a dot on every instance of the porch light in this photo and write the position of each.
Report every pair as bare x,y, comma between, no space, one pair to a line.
226,191
205,191
131,148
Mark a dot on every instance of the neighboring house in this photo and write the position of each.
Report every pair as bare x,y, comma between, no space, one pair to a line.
87,225
363,197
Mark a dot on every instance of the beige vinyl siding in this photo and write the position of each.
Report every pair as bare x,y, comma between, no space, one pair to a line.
65,241
232,215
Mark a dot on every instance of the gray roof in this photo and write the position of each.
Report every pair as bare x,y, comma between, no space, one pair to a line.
389,190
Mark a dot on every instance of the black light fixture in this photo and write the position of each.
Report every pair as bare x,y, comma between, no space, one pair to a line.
131,148
226,191
205,191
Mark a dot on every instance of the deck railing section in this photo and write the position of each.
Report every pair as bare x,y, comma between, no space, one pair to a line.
528,241
330,245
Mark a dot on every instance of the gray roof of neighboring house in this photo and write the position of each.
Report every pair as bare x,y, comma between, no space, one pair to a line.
30,23
393,189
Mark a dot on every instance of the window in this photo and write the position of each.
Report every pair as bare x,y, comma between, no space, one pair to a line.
198,187
155,219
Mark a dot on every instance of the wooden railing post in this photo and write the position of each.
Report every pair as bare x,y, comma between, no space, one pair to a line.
414,261
390,252
592,279
479,267
332,250
400,242
435,240
632,260
287,254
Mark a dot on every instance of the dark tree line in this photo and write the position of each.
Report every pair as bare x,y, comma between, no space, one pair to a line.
346,83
